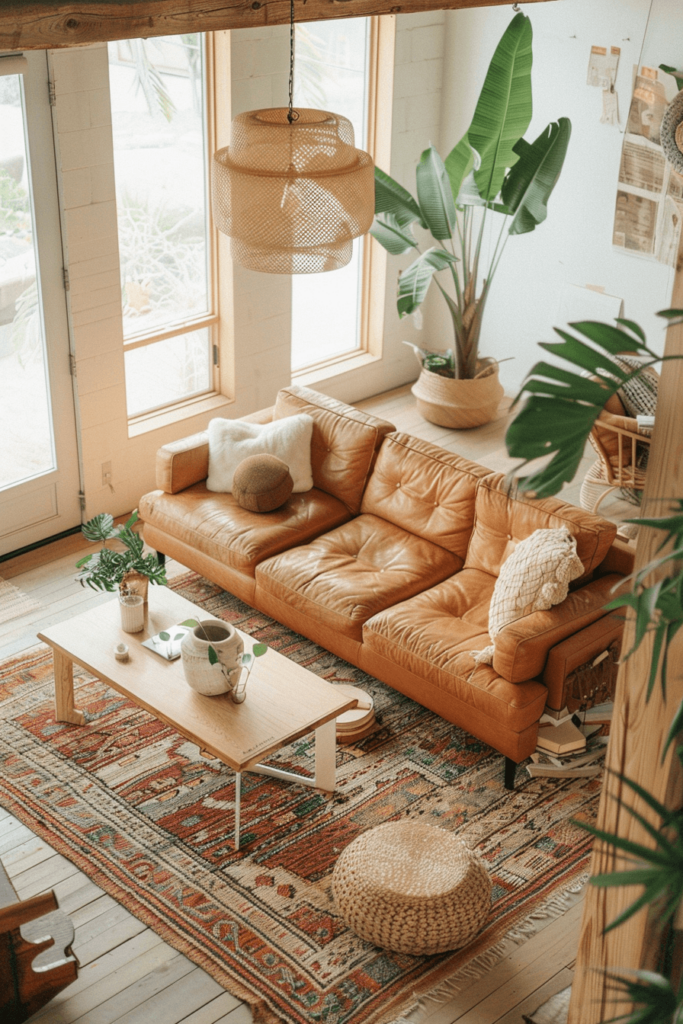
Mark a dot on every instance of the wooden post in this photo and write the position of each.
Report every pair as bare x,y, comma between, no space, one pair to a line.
639,730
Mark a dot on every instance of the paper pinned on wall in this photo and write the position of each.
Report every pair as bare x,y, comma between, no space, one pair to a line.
602,66
649,206
610,107
589,303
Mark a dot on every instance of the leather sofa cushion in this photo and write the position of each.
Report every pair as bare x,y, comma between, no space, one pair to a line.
501,521
431,635
215,524
426,490
348,575
344,443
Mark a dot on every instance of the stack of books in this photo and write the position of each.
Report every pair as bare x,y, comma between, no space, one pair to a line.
567,750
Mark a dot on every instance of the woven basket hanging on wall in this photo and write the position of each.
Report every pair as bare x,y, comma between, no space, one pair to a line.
292,196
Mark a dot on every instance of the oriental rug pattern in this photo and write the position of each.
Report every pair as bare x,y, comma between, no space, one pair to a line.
142,814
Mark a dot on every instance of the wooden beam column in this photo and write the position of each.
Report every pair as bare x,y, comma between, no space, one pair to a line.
638,733
48,24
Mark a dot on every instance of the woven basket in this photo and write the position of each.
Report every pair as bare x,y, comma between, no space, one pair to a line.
460,404
412,888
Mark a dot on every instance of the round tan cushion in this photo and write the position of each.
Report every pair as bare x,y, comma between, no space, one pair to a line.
412,888
262,483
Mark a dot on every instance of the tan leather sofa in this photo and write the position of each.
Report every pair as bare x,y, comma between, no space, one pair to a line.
390,562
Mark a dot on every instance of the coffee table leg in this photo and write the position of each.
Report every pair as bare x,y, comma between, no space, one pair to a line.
238,798
326,756
64,690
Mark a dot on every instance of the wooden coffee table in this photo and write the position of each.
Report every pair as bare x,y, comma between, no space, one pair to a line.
284,701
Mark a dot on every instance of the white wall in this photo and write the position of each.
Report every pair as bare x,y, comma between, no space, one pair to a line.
573,246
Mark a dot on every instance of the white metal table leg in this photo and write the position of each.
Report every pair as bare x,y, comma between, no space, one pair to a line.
326,756
238,798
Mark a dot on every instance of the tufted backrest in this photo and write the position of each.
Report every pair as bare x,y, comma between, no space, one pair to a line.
426,490
501,521
344,443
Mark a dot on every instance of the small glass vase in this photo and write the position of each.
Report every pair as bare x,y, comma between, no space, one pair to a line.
132,612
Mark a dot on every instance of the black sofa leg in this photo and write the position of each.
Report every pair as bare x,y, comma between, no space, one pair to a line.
510,768
161,558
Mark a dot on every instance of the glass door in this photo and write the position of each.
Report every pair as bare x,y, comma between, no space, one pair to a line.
39,475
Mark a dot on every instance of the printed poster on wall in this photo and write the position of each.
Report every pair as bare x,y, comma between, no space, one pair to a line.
649,206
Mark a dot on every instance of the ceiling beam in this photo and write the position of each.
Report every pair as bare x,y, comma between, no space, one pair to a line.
48,24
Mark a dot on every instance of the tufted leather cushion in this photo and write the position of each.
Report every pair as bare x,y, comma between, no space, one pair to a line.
344,441
501,521
348,575
215,525
424,489
432,635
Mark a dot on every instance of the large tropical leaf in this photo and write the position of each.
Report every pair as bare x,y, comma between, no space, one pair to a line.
562,405
504,108
658,867
395,239
530,182
459,162
390,197
655,1001
414,282
434,194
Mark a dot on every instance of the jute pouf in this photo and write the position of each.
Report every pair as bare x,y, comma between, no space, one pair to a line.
412,888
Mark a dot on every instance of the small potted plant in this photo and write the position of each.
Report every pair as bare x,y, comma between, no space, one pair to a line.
127,571
492,175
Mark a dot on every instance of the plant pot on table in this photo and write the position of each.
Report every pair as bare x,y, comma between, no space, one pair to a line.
460,404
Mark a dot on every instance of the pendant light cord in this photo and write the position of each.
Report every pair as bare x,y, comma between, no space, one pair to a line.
293,114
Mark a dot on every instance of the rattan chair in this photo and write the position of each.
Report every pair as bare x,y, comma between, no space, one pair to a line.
622,451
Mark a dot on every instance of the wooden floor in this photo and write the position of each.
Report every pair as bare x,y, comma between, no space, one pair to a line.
128,974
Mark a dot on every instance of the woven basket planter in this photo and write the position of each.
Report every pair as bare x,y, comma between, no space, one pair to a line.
460,404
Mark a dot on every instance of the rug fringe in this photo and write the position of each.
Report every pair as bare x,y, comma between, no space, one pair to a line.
550,910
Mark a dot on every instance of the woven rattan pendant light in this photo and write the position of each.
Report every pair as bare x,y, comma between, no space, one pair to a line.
291,190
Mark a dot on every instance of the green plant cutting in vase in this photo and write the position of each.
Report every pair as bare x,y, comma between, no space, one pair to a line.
106,568
493,170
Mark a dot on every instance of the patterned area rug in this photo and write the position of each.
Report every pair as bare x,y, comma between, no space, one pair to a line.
151,822
14,602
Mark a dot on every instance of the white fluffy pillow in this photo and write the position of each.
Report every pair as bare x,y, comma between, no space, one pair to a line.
232,441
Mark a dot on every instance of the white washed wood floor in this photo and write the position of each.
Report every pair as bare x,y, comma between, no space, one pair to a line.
128,974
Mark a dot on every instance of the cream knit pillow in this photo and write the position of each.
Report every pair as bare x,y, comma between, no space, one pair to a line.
535,577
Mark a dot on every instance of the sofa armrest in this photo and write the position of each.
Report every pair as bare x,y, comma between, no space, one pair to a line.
620,558
575,651
521,648
185,462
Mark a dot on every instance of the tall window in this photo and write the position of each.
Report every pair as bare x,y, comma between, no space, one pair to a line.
158,98
332,73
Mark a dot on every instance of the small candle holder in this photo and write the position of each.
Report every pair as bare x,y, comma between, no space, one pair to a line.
132,611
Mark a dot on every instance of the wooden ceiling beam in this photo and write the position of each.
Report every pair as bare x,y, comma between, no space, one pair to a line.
48,24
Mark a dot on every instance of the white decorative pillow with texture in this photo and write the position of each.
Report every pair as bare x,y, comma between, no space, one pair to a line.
232,441
535,577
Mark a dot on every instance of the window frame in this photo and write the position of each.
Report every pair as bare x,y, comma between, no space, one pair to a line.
381,50
158,416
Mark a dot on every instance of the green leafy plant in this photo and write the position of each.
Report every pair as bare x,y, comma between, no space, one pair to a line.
106,568
492,170
560,406
559,409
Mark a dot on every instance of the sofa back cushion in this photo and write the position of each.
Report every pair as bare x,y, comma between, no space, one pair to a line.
501,521
344,442
424,489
